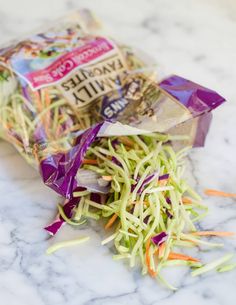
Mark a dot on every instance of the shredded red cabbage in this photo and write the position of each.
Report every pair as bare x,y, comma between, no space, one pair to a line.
68,207
96,197
163,177
159,238
146,219
115,142
114,160
169,215
148,179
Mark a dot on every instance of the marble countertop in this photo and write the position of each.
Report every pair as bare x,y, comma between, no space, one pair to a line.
195,39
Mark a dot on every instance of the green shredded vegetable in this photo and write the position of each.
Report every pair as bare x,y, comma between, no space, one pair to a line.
68,243
227,268
140,206
213,265
147,220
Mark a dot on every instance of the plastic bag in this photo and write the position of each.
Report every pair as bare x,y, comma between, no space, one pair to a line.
62,88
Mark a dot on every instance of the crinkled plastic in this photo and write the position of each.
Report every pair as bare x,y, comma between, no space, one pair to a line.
92,181
68,85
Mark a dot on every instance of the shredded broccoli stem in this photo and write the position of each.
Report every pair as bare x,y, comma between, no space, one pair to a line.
68,243
81,193
227,268
141,206
110,238
166,283
213,265
68,220
135,250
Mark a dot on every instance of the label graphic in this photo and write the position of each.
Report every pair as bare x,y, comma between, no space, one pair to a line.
68,62
45,59
87,84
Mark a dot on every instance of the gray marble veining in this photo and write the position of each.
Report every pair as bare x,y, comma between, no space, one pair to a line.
195,39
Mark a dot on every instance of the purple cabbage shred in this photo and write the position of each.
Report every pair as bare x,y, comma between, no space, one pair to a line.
163,177
148,179
159,238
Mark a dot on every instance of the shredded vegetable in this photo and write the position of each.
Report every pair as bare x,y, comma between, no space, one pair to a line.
91,115
213,265
227,268
68,243
145,221
211,192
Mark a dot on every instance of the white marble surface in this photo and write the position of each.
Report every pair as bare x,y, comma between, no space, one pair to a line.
195,39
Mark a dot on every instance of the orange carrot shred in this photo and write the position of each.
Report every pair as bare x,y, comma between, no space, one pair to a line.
152,273
211,192
186,200
173,255
147,259
107,178
48,114
156,251
47,98
213,233
90,161
111,221
38,100
161,250
162,182
126,141
8,125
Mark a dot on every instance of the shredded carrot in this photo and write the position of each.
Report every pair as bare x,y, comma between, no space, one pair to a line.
186,200
38,100
128,147
218,193
147,259
90,161
213,233
107,178
161,250
8,125
126,141
48,114
152,273
47,98
183,257
162,182
40,109
111,221
45,120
